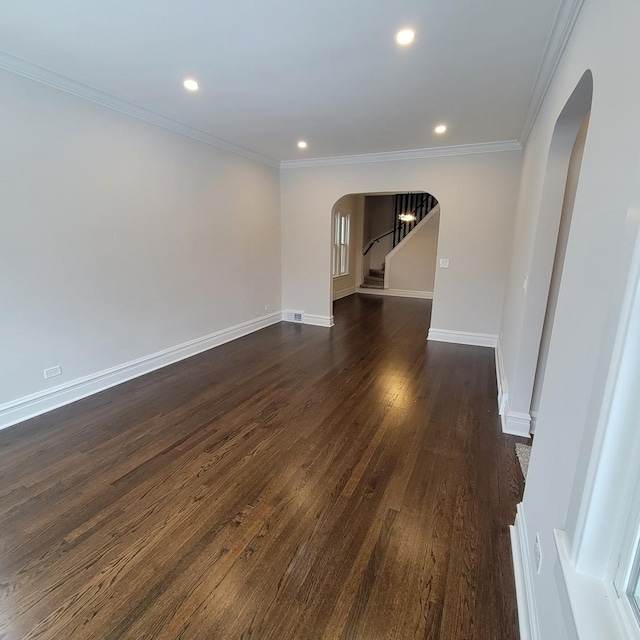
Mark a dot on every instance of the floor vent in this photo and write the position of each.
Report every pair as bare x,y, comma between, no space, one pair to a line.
294,316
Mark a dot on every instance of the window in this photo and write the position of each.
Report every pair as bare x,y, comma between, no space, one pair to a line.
627,576
626,409
340,244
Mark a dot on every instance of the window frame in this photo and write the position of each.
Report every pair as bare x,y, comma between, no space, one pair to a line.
633,584
341,242
602,558
626,569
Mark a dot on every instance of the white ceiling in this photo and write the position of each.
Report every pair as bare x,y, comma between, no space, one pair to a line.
329,71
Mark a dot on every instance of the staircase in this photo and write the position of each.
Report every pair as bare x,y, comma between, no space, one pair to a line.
418,206
375,279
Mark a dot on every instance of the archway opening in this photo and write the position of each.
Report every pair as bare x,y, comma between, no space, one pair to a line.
553,234
384,244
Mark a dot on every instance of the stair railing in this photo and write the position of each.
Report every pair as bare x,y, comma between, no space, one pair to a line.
372,242
406,203
419,204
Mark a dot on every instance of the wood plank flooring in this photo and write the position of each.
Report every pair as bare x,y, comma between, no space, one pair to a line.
299,483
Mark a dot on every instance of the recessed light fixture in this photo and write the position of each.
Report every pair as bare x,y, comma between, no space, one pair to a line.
441,128
190,84
405,37
302,144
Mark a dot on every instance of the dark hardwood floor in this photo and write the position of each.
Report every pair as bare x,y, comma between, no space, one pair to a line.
298,483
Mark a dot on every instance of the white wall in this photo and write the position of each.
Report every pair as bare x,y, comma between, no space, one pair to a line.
477,194
354,205
603,230
119,238
412,265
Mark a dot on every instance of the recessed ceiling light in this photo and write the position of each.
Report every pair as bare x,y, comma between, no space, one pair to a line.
190,84
405,37
302,144
441,128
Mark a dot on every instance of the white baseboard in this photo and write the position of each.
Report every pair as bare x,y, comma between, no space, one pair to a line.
318,321
501,378
38,403
527,611
518,424
343,294
308,318
399,293
463,337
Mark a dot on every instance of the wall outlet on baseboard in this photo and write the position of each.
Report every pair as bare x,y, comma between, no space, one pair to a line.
267,307
537,551
52,372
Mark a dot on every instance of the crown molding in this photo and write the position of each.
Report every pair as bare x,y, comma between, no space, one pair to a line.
557,43
410,154
32,71
563,26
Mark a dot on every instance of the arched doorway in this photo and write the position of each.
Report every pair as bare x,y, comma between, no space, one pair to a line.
543,284
384,244
573,175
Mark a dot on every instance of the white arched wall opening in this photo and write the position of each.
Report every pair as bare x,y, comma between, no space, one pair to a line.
409,267
538,279
568,204
562,491
477,193
356,251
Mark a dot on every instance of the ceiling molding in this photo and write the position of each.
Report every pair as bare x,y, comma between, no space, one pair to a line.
30,70
411,154
560,34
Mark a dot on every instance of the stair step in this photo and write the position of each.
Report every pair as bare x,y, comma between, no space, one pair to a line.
376,273
374,280
367,285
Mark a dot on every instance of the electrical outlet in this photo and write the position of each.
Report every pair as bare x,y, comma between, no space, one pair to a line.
537,551
525,284
52,372
444,263
267,307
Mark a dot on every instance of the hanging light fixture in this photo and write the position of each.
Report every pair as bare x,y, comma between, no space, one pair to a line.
408,216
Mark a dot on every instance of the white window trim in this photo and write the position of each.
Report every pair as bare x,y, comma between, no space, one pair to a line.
629,553
336,246
597,563
592,606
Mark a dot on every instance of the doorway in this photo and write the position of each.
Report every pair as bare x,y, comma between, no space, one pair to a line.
385,244
559,196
